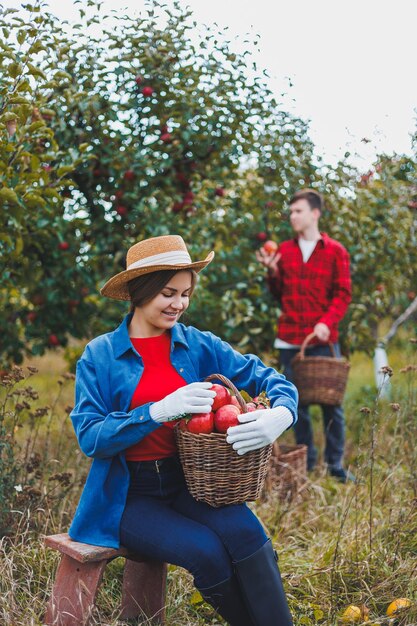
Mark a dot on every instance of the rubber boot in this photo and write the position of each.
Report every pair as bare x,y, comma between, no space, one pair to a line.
226,599
262,589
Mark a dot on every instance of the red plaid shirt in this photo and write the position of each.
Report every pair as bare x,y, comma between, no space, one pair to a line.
312,292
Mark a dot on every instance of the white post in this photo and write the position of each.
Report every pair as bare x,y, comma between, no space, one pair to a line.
382,381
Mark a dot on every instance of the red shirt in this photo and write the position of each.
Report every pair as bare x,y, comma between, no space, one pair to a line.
158,380
312,292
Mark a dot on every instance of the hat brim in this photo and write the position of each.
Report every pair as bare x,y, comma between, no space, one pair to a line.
116,287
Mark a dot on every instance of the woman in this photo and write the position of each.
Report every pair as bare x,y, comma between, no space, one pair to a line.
132,385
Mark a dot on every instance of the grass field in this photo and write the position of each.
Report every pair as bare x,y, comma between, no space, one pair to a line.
338,544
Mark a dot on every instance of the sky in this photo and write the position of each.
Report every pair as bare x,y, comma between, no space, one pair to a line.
346,66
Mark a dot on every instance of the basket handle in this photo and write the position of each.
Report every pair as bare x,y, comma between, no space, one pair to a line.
228,383
308,339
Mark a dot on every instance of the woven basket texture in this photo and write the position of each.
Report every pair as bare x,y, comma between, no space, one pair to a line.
214,472
320,379
287,474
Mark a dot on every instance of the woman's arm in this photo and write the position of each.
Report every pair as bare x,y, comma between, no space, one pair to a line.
102,433
250,373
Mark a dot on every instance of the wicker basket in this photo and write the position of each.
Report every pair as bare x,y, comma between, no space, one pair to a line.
287,474
214,472
320,379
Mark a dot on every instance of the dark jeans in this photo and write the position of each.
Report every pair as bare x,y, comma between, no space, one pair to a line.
162,520
333,417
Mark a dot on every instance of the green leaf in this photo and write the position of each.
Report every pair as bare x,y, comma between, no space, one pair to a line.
8,195
64,169
21,36
14,69
35,71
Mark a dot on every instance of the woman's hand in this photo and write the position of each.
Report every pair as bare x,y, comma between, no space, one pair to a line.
193,398
259,428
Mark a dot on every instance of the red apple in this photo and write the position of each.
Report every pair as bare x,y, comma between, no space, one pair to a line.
188,197
122,210
129,175
166,137
31,316
234,401
147,91
63,245
177,206
225,417
53,340
262,236
201,423
222,396
219,191
411,295
270,247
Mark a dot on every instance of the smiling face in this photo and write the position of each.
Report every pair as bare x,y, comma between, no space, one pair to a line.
160,314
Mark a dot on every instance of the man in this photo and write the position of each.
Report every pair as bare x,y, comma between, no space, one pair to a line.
310,277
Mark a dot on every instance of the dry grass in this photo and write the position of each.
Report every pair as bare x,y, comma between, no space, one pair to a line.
338,544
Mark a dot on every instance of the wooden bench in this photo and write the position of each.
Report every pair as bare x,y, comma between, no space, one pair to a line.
79,575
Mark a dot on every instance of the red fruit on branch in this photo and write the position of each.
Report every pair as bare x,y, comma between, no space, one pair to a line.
118,194
63,245
129,175
122,210
53,340
188,198
411,295
270,204
31,316
166,137
147,91
219,191
225,417
262,236
222,396
270,247
201,423
177,207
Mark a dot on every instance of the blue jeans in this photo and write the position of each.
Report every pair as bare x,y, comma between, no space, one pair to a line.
333,416
163,521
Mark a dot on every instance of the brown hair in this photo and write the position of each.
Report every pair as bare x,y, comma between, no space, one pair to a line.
312,196
145,287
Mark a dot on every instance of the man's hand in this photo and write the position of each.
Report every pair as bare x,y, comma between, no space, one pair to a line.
270,261
322,332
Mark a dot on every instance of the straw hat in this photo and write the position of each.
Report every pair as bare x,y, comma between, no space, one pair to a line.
168,252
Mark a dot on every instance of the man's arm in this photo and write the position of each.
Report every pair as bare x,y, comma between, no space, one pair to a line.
341,291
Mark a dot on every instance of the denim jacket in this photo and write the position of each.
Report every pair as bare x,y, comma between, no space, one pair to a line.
107,375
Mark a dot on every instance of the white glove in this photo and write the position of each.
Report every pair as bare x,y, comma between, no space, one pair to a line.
193,398
259,428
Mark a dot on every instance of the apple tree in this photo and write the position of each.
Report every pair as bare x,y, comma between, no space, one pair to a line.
38,245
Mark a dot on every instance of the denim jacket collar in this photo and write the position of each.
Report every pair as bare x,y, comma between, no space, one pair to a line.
121,340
